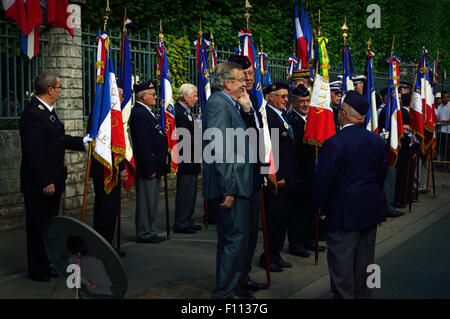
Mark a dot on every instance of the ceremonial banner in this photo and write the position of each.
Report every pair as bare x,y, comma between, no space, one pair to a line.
371,120
309,36
167,105
58,15
428,112
347,72
300,41
249,51
15,10
107,125
212,58
30,43
320,120
394,122
264,69
203,73
416,108
125,75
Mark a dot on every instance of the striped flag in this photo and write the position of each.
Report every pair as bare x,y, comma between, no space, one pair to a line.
394,122
371,120
300,41
309,35
264,69
125,75
347,72
107,125
30,43
320,122
167,104
203,73
428,112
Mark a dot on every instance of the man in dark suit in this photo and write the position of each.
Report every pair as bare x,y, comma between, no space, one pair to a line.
279,206
347,189
188,170
336,94
150,158
228,174
252,119
106,206
42,171
301,225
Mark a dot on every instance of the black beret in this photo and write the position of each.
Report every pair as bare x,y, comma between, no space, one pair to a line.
119,83
406,99
301,90
144,86
300,74
275,87
243,61
357,102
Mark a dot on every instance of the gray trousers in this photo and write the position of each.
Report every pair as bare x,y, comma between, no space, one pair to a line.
255,213
185,201
349,254
232,246
147,197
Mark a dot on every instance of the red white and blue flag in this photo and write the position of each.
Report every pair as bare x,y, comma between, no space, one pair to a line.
203,72
264,69
428,112
167,104
301,41
394,122
371,120
107,124
125,75
309,35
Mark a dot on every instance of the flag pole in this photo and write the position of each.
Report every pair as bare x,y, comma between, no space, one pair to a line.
88,167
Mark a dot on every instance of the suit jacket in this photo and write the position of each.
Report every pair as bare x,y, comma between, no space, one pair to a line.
149,143
219,177
306,154
185,120
349,178
250,122
43,141
285,156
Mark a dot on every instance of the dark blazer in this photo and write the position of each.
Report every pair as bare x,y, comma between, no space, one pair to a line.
349,178
250,122
306,154
285,156
43,141
149,143
185,120
221,179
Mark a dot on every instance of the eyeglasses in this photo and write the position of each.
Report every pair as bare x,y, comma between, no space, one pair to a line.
283,96
152,94
239,80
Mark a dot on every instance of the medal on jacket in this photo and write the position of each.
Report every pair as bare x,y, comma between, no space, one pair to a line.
286,126
190,118
41,107
52,118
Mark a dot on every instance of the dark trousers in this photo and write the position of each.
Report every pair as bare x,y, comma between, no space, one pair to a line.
301,221
106,208
232,246
185,200
39,210
402,173
278,210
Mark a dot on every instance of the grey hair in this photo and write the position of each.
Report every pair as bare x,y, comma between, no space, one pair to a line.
43,81
186,89
223,72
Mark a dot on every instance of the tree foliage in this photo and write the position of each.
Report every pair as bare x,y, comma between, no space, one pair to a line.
415,23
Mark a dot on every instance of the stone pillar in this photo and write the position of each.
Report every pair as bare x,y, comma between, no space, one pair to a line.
63,56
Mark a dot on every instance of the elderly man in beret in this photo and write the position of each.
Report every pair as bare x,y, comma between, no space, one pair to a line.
347,193
150,158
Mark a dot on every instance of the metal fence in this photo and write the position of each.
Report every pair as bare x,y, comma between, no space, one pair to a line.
17,71
442,151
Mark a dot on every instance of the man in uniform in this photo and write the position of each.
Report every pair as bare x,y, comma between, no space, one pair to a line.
358,82
42,170
301,77
301,226
347,189
336,94
188,170
279,206
226,176
150,158
252,119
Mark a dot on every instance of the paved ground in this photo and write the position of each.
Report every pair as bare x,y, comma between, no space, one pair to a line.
184,266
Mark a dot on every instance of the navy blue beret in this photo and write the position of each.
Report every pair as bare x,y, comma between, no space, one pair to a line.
144,86
243,61
275,87
301,90
357,102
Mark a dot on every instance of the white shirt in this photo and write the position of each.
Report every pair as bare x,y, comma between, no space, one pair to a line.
443,114
49,107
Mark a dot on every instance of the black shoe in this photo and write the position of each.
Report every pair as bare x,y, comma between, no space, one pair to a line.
150,240
187,230
240,293
160,238
196,227
255,286
395,214
312,247
284,264
299,251
40,278
273,267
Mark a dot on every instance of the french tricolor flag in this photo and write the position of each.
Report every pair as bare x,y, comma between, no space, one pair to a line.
30,43
302,43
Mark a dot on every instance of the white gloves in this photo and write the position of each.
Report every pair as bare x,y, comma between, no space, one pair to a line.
86,140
